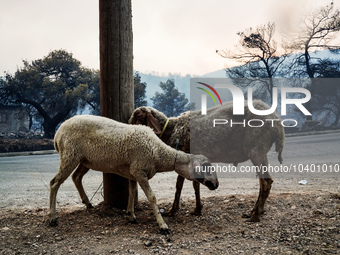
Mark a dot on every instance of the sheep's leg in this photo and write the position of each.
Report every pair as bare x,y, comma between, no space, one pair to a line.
265,182
144,183
175,204
265,186
131,202
77,178
65,169
198,209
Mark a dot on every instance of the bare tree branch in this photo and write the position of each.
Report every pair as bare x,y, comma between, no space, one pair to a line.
258,50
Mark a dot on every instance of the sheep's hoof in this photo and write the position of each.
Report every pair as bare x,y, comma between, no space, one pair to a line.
134,221
246,216
169,213
196,212
252,216
253,219
89,206
165,231
53,223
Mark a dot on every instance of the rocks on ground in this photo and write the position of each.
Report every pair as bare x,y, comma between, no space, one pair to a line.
291,224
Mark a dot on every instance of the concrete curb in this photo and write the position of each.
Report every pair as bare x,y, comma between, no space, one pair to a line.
27,153
313,133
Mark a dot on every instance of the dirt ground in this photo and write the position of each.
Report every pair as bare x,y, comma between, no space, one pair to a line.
293,223
298,219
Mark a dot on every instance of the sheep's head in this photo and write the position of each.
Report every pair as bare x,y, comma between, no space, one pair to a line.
203,172
143,116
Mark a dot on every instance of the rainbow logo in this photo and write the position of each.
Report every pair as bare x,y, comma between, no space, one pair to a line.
209,93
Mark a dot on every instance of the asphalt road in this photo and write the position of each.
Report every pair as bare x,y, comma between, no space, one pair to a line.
317,153
312,149
24,180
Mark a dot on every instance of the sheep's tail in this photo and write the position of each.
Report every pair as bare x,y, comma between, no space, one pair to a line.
56,145
279,143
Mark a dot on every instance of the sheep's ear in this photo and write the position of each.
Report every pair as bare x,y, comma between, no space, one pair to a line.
133,119
153,123
196,173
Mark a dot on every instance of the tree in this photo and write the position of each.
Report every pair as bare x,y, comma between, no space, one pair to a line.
93,98
55,86
316,31
326,100
328,68
171,102
258,50
139,91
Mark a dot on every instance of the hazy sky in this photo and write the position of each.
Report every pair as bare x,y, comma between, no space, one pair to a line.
178,36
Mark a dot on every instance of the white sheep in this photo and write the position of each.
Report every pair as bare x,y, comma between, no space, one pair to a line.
239,143
91,142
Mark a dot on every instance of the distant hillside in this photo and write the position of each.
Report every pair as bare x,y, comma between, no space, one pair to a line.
183,82
217,74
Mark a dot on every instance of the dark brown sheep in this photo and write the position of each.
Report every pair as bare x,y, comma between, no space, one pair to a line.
240,144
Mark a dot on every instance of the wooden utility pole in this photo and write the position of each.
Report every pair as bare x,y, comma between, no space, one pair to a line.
116,81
